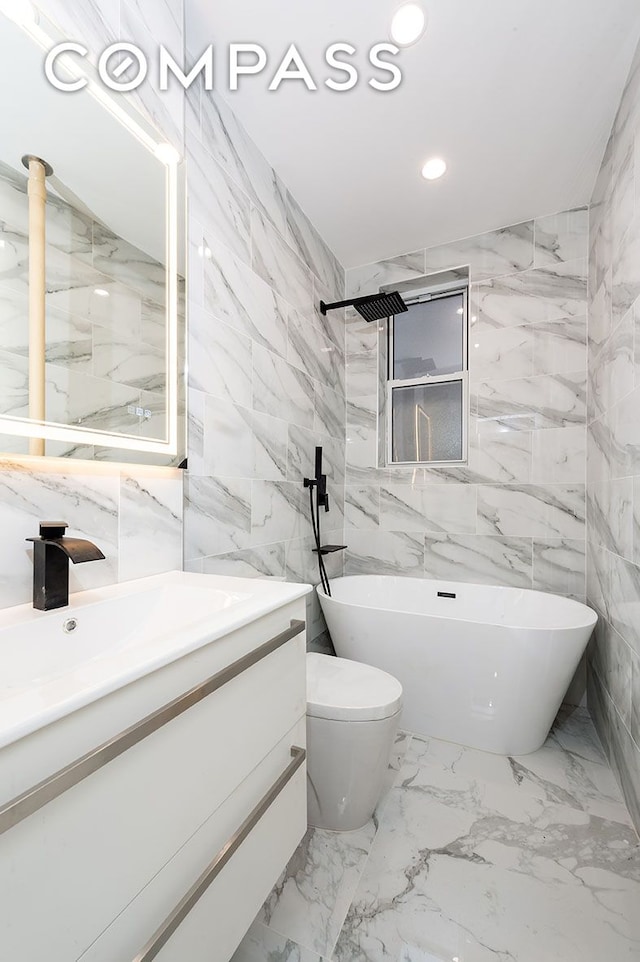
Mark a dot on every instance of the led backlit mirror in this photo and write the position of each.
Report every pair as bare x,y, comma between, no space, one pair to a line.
91,273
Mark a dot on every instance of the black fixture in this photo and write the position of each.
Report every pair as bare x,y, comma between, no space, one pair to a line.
373,307
319,485
51,554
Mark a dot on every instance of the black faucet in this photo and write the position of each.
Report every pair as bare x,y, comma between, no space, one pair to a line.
51,553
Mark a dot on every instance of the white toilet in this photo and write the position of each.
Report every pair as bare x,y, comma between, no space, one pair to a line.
352,718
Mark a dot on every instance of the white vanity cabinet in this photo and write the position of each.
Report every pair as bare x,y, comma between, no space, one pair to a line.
169,847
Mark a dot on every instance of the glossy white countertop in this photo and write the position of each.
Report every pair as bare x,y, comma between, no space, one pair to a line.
123,632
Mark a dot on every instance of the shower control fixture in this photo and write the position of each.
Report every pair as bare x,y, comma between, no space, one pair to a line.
319,485
373,307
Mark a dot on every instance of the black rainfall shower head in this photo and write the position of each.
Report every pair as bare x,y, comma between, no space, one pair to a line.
373,307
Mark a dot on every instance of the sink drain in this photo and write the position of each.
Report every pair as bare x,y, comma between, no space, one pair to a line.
69,625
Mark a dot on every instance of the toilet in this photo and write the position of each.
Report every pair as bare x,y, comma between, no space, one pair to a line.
353,711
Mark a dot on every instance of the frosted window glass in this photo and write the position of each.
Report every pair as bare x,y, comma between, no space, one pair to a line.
428,338
427,422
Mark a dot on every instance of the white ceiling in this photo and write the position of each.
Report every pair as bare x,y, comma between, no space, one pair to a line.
517,95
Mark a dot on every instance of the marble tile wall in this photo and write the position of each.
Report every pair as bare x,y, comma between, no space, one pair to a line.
133,513
105,351
613,444
266,370
515,513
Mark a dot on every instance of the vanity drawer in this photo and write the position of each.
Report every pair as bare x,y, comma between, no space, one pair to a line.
78,862
217,922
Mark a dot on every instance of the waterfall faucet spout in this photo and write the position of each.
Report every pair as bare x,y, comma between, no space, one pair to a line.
51,554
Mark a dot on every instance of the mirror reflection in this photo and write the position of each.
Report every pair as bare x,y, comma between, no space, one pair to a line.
84,337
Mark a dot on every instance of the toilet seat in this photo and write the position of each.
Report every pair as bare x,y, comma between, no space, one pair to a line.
344,690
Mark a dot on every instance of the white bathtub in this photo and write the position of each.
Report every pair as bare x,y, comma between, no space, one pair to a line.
487,668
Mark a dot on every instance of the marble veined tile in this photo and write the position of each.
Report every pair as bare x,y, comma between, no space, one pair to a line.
558,454
223,208
310,247
127,361
14,384
385,553
532,511
280,389
301,455
237,296
120,261
370,277
242,443
261,944
310,350
333,322
217,515
330,412
279,511
570,770
544,401
559,566
278,265
471,863
263,561
626,273
560,346
562,237
636,521
624,606
497,252
479,559
150,536
435,508
312,897
226,139
500,455
79,399
542,294
220,358
89,502
501,354
362,506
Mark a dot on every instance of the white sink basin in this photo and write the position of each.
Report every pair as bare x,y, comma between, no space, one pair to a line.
121,633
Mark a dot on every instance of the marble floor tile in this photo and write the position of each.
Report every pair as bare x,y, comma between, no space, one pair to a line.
262,944
535,882
469,856
471,863
569,770
310,901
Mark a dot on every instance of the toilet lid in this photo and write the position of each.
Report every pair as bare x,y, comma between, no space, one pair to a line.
349,690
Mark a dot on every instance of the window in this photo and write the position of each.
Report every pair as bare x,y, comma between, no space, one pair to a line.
427,380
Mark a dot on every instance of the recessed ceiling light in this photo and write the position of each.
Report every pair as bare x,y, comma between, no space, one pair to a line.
434,168
100,291
408,24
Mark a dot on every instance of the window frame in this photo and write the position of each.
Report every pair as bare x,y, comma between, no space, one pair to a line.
463,376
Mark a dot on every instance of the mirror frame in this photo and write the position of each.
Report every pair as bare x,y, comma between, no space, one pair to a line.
167,155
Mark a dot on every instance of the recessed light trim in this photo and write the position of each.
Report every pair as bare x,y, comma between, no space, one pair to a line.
434,168
408,24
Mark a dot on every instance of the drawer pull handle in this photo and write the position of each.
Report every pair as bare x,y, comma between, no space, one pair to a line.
45,791
162,935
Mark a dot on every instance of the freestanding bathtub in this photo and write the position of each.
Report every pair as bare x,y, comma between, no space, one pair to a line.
482,666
